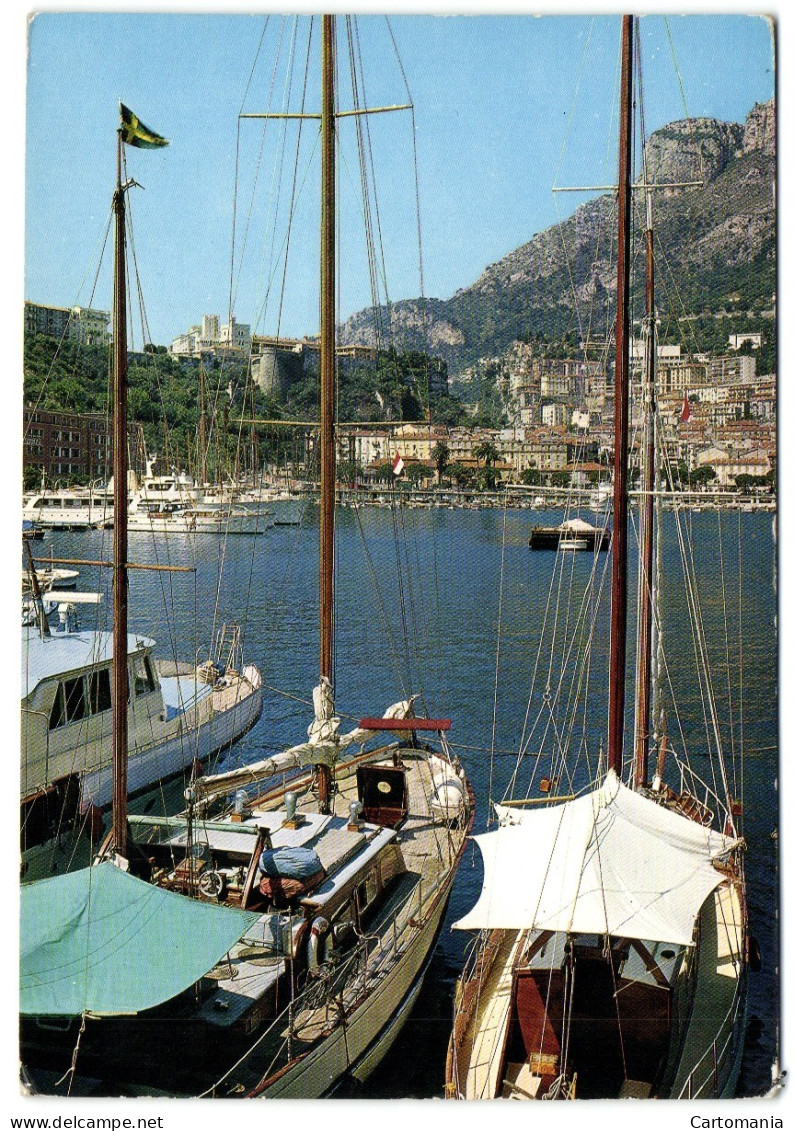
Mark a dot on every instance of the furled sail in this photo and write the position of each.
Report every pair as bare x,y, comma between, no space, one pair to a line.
323,747
610,862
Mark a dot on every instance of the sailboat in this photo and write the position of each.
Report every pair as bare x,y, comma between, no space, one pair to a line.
612,955
343,848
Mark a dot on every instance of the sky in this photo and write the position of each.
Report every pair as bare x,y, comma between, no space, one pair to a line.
505,107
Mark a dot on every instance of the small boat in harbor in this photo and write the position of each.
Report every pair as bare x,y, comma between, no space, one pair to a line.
573,534
175,518
179,715
83,508
567,542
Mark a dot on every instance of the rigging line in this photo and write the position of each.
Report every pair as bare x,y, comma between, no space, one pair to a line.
589,593
250,583
400,585
364,147
168,600
525,738
393,656
728,679
412,625
419,605
263,138
232,291
668,676
139,290
294,188
704,677
571,115
581,667
262,312
559,759
741,660
553,647
498,657
676,67
274,197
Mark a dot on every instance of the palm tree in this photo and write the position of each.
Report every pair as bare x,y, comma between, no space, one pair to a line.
440,457
487,452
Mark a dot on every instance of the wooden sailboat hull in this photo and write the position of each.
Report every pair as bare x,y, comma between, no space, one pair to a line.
344,1016
356,1048
120,1053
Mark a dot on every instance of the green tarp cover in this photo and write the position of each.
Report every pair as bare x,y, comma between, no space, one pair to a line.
101,941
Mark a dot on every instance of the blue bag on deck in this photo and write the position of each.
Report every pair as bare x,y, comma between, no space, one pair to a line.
294,863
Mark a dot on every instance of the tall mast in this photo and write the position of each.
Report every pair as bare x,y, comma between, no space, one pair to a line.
617,652
120,585
645,586
327,374
201,461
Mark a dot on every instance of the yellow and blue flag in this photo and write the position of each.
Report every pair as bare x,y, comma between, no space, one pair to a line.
134,132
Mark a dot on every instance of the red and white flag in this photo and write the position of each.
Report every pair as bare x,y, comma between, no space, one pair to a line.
398,464
686,411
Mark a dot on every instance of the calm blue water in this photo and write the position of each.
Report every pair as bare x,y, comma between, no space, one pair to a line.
432,625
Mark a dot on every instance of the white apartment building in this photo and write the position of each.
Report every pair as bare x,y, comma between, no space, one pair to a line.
554,415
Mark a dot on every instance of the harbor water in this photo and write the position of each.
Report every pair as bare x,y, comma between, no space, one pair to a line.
427,599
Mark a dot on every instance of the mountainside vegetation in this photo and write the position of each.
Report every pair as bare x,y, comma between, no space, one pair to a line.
164,394
716,257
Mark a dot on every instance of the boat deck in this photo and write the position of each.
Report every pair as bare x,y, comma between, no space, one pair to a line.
718,973
480,1059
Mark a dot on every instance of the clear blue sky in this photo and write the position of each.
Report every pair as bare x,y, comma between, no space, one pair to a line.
505,107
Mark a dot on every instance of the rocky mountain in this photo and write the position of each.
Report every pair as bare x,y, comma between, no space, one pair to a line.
716,247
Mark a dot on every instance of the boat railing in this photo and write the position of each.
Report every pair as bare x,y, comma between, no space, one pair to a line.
691,782
707,1076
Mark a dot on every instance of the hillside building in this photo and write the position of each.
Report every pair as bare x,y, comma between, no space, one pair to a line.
214,339
73,323
71,445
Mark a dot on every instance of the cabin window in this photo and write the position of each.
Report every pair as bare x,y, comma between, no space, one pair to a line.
143,676
361,897
150,673
56,714
99,691
74,695
366,892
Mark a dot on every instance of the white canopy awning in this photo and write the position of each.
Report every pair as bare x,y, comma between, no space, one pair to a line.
610,862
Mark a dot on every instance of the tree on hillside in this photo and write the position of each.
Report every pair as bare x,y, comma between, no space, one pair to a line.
462,475
702,475
487,452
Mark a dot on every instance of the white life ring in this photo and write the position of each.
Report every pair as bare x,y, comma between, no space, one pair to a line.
315,949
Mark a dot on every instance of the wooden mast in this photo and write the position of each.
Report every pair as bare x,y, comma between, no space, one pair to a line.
645,587
617,653
120,581
327,375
